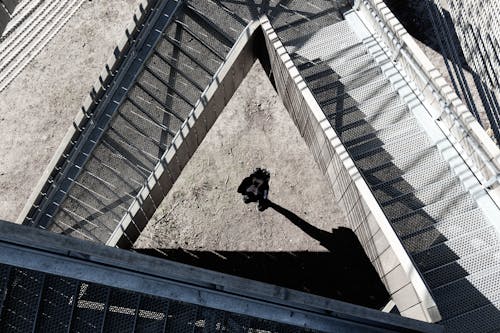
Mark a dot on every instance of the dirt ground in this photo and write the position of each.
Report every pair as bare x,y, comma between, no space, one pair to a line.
40,104
203,210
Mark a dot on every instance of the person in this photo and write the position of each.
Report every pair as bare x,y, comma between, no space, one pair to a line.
256,188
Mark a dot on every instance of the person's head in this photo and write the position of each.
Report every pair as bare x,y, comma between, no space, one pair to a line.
262,174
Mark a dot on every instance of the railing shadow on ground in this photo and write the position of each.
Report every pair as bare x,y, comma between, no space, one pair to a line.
343,273
414,226
443,39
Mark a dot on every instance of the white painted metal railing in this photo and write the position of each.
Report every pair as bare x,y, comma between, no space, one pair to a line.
481,153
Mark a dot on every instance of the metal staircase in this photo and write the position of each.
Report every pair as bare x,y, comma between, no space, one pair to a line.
453,244
122,144
450,238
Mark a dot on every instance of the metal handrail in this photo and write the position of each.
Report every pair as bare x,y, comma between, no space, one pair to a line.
447,107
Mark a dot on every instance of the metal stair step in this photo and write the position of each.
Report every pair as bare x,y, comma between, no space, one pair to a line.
407,175
330,91
58,301
325,51
410,227
347,68
365,75
338,101
20,308
196,69
453,249
431,193
393,156
170,100
482,319
118,320
388,134
93,303
134,140
159,133
346,113
439,210
312,42
291,24
467,294
396,148
319,76
381,142
476,262
382,113
433,212
76,213
193,50
224,21
434,192
367,124
149,304
444,230
366,92
316,75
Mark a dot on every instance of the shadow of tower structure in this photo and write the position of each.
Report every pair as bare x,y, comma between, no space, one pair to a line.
343,273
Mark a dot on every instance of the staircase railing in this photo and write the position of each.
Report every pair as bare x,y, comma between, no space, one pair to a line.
452,116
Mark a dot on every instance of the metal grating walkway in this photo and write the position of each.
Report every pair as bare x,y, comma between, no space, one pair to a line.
177,53
60,284
453,244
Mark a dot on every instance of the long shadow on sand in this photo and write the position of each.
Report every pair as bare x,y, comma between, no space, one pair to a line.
343,273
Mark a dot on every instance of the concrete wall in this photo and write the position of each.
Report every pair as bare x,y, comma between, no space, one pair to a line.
365,216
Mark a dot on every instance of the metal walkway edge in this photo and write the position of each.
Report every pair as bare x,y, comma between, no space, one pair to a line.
59,284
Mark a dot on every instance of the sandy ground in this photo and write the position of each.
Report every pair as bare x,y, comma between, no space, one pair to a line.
39,105
203,210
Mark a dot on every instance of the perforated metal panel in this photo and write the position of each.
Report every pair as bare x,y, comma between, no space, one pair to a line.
482,319
455,248
122,312
59,300
152,314
450,296
20,308
477,262
66,305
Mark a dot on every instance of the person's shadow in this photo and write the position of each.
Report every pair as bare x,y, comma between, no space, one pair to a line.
339,241
351,271
344,272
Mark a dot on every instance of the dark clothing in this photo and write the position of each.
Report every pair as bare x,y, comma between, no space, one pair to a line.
254,188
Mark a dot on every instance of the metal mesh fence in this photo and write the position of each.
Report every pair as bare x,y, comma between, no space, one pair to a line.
471,28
